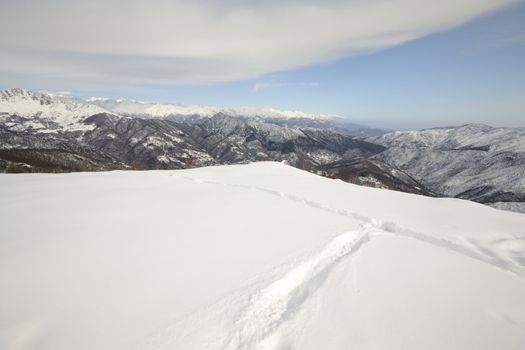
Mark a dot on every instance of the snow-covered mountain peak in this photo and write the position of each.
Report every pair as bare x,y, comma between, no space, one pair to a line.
151,109
13,93
46,111
17,94
163,110
21,97
67,111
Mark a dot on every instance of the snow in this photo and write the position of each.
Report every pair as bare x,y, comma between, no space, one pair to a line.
270,307
162,110
454,161
257,256
164,159
371,181
466,136
66,112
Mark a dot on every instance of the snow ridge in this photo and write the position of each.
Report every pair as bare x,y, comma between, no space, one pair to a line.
44,112
163,110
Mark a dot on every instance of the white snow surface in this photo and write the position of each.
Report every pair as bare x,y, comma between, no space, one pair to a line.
257,256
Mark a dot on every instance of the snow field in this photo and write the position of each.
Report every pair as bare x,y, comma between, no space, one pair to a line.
258,256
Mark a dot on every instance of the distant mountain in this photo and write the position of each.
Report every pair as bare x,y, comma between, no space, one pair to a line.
196,114
41,132
163,110
23,110
474,161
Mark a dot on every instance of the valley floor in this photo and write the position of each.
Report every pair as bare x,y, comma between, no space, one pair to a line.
258,256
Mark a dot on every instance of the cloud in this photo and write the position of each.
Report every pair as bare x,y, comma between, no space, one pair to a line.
58,93
268,85
206,41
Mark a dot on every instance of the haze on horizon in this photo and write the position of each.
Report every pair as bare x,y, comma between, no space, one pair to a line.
390,64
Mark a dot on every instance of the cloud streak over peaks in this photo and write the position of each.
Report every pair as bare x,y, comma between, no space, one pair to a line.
206,41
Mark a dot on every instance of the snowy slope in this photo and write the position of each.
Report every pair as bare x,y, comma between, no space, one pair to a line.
474,161
45,112
462,137
259,256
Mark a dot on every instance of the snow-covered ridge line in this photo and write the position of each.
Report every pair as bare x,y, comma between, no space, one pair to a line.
64,112
480,136
27,103
160,110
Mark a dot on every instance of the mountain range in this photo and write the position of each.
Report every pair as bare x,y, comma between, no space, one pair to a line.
475,161
42,132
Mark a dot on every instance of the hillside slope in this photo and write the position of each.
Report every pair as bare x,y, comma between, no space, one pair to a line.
474,161
258,256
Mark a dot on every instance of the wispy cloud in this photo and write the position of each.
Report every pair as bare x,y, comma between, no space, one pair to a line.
206,41
58,93
269,85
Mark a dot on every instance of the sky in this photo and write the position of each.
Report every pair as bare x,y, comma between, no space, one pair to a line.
397,64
